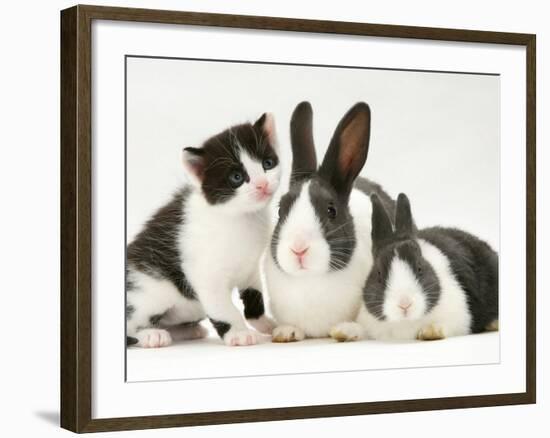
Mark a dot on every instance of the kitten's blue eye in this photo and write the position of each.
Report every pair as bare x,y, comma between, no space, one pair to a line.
236,178
268,163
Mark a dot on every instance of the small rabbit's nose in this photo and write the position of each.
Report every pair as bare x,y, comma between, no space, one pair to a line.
299,252
405,303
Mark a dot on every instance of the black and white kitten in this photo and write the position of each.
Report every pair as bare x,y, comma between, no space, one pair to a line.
182,267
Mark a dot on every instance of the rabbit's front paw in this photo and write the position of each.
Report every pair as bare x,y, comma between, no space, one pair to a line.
287,333
346,332
432,332
492,326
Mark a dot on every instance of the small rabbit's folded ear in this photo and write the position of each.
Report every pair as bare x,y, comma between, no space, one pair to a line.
194,164
403,216
304,158
348,149
381,229
266,124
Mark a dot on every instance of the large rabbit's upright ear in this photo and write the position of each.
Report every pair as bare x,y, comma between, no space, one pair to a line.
348,149
403,217
381,229
304,159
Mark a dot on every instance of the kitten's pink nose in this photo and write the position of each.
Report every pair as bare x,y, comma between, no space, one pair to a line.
263,186
405,303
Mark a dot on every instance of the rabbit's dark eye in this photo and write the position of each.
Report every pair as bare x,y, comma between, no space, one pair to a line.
236,178
331,211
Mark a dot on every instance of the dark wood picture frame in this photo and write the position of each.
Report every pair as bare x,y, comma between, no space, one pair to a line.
76,217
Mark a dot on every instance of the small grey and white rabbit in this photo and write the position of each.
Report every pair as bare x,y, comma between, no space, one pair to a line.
320,250
428,284
184,264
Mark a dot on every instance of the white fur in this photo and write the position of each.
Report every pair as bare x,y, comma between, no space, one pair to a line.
315,300
402,287
154,296
302,229
450,314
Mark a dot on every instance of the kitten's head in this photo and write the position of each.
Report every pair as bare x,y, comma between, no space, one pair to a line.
237,169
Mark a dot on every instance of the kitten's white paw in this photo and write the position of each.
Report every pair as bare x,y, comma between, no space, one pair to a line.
235,338
287,333
153,338
263,324
346,332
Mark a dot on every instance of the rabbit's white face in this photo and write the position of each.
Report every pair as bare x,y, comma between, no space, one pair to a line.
404,297
301,247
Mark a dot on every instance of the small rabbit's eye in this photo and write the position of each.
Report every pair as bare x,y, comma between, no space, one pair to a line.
331,212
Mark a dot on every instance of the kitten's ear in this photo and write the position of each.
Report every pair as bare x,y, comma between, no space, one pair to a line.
403,216
266,125
381,230
193,163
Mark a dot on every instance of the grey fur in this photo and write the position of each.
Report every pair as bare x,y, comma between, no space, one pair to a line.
473,262
331,183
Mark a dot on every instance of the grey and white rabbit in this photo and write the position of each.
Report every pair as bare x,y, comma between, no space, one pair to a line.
428,284
320,250
184,264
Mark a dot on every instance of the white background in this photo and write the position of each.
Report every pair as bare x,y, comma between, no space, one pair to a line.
434,136
29,134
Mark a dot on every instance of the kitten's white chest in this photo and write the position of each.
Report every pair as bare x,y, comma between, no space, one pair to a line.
225,247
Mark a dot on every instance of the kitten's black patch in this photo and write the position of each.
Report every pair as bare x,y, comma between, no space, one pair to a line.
475,265
155,250
221,157
129,311
221,327
253,303
130,340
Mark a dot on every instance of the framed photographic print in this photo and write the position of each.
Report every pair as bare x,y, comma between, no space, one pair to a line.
271,218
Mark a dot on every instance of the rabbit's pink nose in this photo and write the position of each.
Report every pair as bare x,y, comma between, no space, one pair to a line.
299,253
405,303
